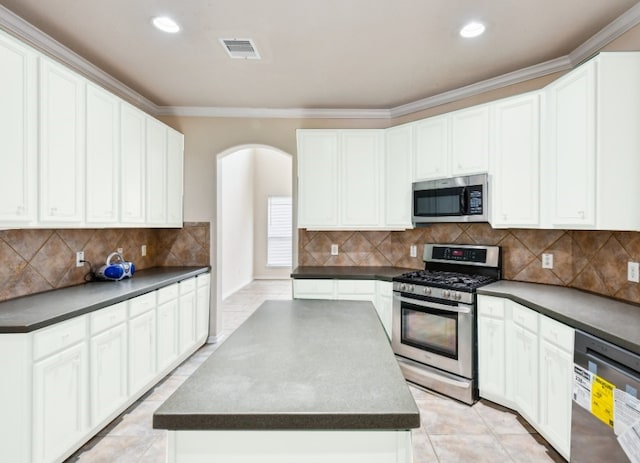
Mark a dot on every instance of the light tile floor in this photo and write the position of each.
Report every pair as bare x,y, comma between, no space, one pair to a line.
451,432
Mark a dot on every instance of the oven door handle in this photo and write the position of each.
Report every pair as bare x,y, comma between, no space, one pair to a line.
434,305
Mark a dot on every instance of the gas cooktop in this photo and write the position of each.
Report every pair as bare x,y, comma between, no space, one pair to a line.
449,280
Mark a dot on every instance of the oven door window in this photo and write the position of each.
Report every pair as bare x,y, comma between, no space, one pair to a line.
430,329
438,203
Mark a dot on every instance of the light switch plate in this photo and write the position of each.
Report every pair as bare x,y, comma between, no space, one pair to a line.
633,272
413,250
547,260
334,249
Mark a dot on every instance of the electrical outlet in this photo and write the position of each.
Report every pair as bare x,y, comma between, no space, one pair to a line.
79,258
334,249
547,260
633,272
413,251
120,251
143,250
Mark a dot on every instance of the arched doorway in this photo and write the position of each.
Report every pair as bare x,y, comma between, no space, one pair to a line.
250,180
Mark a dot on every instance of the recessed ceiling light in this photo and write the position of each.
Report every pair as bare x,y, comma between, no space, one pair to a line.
166,24
473,29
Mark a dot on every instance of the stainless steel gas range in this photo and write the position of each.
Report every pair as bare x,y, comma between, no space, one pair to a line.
434,317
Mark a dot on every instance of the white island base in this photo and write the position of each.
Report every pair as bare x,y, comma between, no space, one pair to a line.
308,446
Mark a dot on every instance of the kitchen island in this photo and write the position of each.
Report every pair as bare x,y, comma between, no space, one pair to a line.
302,380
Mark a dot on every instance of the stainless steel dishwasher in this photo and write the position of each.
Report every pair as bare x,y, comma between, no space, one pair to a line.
605,400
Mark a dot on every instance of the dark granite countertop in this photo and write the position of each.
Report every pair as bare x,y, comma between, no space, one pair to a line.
302,364
29,313
611,320
350,273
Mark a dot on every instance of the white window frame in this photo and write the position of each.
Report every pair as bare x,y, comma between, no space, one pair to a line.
279,232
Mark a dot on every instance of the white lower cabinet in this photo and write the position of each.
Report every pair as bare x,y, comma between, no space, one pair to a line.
60,412
142,351
167,338
108,372
525,362
203,284
187,324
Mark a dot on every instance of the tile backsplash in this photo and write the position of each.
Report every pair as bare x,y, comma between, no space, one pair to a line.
36,260
594,261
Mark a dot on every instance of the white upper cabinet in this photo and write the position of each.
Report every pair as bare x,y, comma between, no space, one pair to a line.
515,159
133,164
317,178
62,144
361,182
156,172
18,132
452,144
102,157
571,164
397,175
431,145
175,149
592,160
470,141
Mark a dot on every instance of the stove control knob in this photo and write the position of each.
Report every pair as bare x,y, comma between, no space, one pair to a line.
403,287
446,294
411,288
427,291
457,296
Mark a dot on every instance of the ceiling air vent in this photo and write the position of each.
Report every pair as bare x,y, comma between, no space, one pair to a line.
240,48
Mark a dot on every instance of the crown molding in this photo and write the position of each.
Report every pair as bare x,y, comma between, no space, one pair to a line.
285,113
607,34
521,75
26,32
18,27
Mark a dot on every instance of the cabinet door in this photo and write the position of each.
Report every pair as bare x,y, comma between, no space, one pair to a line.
431,145
397,175
515,162
360,172
60,414
202,317
18,132
187,321
108,373
62,147
102,156
133,162
167,334
142,351
313,289
156,172
491,358
470,141
317,178
175,150
556,389
572,147
525,372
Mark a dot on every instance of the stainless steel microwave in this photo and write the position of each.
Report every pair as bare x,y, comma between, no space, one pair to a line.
457,199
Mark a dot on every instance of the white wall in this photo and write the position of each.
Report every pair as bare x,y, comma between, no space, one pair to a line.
272,177
236,220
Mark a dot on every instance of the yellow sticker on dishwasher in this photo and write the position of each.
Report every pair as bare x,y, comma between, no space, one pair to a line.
602,399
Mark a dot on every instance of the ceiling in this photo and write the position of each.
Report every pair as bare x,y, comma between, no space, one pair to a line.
365,54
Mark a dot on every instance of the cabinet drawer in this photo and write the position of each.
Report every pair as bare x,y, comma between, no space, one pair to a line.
187,285
524,317
557,333
356,287
109,316
50,340
203,280
141,304
490,306
167,293
323,288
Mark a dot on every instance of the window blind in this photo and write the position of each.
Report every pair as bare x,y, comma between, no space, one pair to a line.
279,231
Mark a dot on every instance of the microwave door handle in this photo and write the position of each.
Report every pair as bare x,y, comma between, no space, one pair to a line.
464,200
